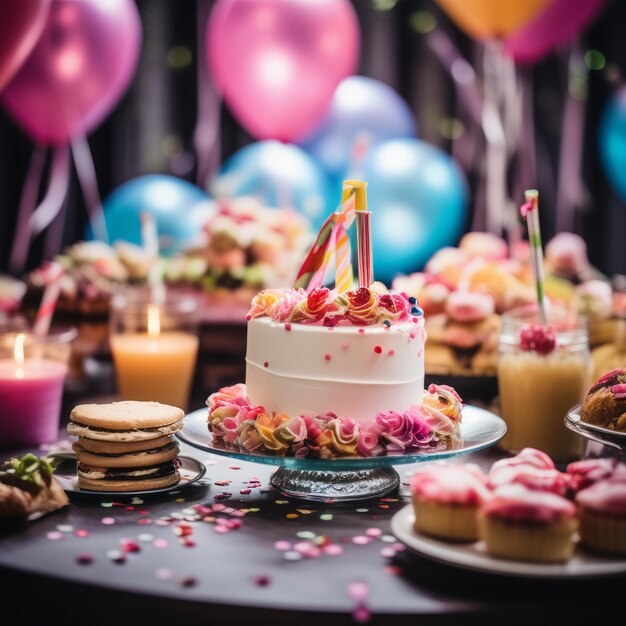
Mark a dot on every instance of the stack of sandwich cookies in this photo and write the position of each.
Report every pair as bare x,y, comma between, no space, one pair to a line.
126,446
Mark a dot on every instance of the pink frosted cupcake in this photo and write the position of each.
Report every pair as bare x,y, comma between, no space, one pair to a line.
602,510
532,469
527,525
585,473
446,500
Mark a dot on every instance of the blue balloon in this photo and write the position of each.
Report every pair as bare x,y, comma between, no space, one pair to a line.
361,107
612,142
179,208
418,197
280,175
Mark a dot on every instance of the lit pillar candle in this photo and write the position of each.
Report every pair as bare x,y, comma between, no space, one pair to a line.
31,391
155,365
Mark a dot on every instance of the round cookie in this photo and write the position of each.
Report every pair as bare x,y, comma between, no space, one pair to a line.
126,415
144,458
128,485
98,446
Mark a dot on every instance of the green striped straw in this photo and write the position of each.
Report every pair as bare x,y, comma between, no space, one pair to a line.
530,211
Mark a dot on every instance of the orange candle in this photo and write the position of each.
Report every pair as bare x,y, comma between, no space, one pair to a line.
155,365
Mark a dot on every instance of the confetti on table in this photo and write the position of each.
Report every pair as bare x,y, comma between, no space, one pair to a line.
187,582
145,537
144,520
108,521
54,535
374,532
164,573
161,543
106,505
262,581
292,516
81,533
129,545
326,517
282,545
362,510
361,540
292,555
84,559
65,528
117,556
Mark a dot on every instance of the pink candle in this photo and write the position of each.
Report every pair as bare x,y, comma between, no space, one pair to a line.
30,401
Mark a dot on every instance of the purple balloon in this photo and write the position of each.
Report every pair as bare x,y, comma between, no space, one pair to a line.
277,62
78,71
554,26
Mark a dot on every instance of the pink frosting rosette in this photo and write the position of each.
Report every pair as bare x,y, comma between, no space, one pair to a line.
283,307
404,431
318,305
394,306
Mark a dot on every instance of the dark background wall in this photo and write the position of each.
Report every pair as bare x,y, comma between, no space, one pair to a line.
152,130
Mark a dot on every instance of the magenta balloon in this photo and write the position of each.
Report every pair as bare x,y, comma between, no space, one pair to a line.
79,69
21,23
278,62
557,24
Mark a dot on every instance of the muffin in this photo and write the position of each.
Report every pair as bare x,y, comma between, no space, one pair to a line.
602,508
528,525
605,403
446,500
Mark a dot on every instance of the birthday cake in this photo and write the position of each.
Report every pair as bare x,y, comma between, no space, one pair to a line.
334,373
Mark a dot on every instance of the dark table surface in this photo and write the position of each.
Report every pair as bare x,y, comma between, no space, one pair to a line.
233,566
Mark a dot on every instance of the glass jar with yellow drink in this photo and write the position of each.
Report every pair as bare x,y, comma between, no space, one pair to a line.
542,373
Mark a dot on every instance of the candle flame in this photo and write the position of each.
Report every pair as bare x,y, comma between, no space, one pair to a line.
18,355
154,321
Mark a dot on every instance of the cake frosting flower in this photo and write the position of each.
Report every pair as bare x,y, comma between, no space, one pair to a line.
234,420
326,307
319,304
404,431
279,432
362,307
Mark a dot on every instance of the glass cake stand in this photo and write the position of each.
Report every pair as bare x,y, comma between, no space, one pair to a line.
349,478
612,442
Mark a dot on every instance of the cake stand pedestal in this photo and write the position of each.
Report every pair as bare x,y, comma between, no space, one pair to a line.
338,486
606,442
346,479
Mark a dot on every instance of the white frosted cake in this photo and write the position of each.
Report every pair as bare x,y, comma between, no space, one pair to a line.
354,371
334,374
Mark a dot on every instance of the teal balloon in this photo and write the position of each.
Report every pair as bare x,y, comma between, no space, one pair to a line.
612,142
280,175
179,209
418,196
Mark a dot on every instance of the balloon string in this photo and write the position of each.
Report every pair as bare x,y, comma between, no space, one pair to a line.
496,152
459,69
50,206
54,234
28,200
207,131
569,186
86,170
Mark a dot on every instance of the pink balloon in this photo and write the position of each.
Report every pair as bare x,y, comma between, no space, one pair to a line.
278,62
79,69
557,24
21,24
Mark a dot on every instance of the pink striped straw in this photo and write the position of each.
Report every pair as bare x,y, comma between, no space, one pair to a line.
52,272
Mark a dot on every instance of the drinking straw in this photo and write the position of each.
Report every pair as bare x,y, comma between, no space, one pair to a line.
530,212
52,273
150,240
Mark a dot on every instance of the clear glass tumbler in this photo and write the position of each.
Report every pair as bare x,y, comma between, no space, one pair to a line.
154,346
32,376
537,390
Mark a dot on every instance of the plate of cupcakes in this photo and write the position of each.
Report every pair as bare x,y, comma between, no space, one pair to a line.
523,517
